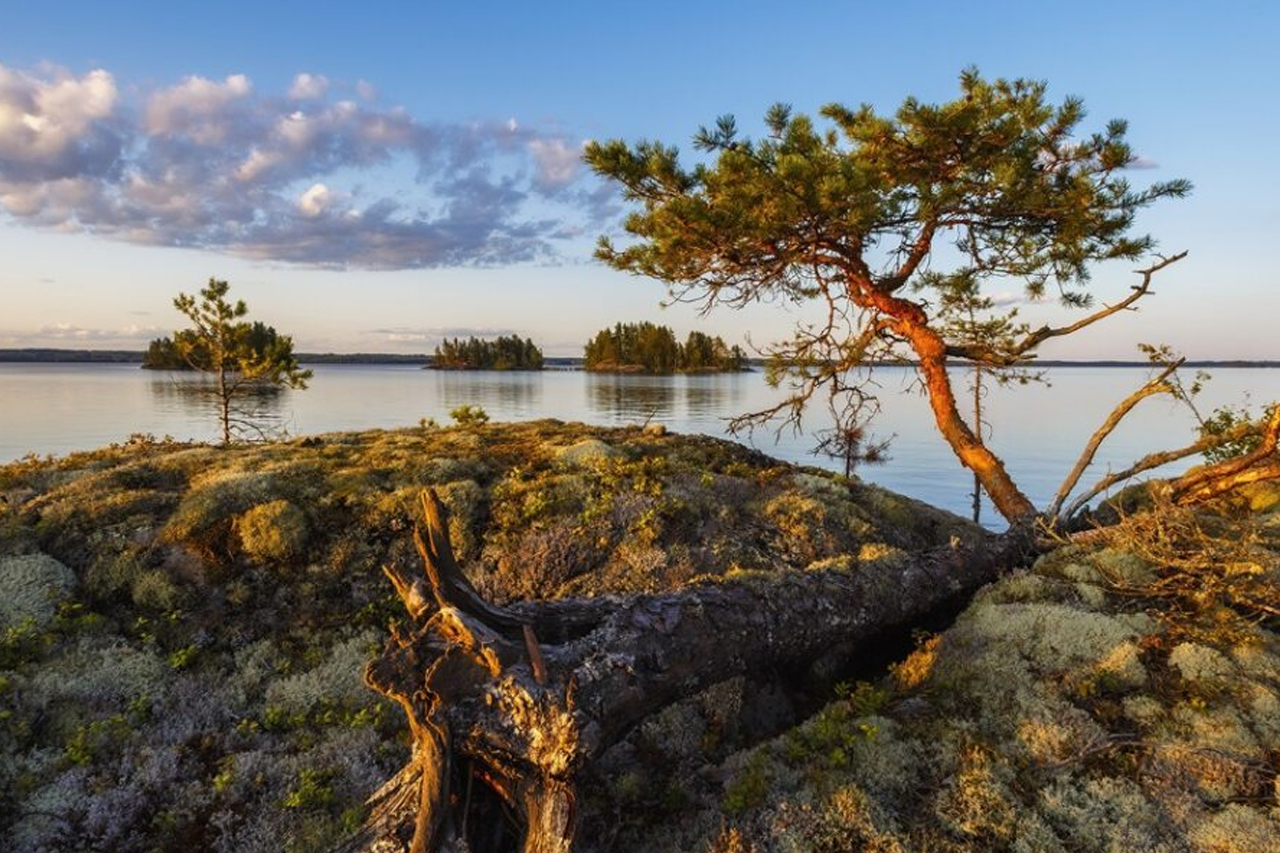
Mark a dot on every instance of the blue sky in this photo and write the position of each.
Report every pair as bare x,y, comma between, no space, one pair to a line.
423,179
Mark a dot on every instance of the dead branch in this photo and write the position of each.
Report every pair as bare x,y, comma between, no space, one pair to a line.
1033,339
1261,463
1155,385
1155,460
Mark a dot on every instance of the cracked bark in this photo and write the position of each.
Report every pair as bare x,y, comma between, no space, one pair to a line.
512,705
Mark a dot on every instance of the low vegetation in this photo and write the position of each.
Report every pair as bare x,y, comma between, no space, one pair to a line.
1122,695
501,353
648,348
182,631
183,627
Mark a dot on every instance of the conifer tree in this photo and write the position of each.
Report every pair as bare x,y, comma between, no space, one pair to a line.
878,219
238,355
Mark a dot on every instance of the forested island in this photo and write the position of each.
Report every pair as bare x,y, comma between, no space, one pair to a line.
653,349
186,351
506,352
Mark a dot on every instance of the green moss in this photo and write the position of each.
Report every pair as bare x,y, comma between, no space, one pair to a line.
273,532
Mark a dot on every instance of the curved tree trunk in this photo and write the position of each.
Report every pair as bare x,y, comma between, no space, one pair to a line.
909,321
494,712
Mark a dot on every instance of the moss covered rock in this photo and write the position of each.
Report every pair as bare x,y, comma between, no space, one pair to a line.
31,587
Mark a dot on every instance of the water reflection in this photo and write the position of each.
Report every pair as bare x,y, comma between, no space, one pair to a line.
712,396
256,410
624,399
517,392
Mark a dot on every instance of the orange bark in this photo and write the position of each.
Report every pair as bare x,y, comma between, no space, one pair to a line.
909,321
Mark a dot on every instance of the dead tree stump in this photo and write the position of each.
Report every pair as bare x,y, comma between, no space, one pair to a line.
508,706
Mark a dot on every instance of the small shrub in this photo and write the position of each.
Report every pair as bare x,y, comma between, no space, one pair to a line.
91,740
469,416
750,788
313,791
273,532
183,657
154,590
114,574
22,644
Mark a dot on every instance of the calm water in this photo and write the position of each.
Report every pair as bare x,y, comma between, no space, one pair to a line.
53,409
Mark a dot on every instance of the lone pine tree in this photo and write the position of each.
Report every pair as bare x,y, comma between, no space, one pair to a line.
238,355
880,218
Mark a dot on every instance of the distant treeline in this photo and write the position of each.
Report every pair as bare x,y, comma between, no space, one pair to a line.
68,356
502,353
648,348
52,355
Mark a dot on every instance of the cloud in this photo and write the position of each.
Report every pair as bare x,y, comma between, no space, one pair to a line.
199,109
1008,299
313,202
558,162
63,334
58,125
305,177
418,335
308,87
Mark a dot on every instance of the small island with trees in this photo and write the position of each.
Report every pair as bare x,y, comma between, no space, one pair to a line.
507,352
652,349
187,351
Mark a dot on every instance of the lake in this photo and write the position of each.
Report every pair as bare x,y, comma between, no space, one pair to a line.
1038,430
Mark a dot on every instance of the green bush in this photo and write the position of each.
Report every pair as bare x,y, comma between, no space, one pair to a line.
469,416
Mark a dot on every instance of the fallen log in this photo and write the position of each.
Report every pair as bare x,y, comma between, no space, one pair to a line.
512,705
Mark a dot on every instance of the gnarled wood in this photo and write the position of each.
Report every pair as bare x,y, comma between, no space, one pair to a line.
491,707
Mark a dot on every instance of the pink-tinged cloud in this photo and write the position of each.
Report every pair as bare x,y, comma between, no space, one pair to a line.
219,165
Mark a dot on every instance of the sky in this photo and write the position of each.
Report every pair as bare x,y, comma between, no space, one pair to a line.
374,177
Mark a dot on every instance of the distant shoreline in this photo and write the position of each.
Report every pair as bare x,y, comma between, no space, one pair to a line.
48,355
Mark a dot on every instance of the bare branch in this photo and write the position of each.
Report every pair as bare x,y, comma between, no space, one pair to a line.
1033,339
1155,460
1155,385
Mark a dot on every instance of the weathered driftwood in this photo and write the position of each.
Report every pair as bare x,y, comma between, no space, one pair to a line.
513,704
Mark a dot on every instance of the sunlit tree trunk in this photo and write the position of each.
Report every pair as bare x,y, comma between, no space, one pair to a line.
909,321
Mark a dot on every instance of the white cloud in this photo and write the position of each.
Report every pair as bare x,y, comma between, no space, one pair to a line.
214,164
71,333
55,125
1008,299
197,108
434,335
308,87
315,200
366,90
